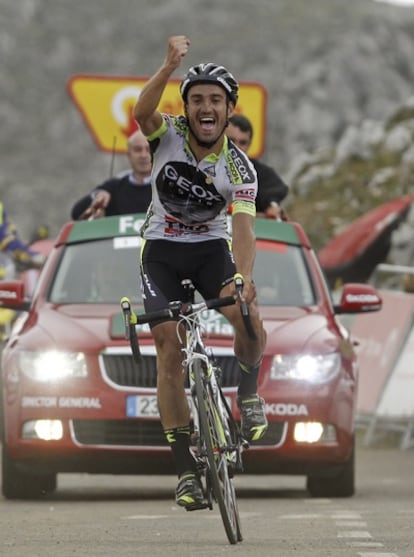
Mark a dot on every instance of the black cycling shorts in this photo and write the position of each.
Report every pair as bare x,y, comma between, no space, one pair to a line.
164,264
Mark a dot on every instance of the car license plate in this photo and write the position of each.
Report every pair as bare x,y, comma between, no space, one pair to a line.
146,406
142,406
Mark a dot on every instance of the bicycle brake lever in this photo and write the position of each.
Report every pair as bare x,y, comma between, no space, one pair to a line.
239,283
244,308
128,315
130,320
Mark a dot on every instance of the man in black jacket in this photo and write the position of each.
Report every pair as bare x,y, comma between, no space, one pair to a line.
129,192
271,188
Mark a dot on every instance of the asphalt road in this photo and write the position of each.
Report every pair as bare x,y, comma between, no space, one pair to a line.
128,516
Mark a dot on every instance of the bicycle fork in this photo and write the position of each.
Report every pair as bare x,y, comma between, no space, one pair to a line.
221,435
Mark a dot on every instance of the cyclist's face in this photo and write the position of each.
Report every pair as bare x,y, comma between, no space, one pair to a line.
207,111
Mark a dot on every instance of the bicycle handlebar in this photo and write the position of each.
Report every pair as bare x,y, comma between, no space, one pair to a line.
173,311
177,308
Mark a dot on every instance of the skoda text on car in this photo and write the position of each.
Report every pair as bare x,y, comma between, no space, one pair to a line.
75,401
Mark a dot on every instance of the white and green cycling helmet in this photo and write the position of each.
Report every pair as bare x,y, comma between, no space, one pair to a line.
210,73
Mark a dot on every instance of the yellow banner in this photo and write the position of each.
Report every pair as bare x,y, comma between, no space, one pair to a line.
106,104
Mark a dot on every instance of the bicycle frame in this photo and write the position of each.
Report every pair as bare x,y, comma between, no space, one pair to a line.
219,443
195,351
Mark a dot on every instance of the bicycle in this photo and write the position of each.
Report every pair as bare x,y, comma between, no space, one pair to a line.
217,440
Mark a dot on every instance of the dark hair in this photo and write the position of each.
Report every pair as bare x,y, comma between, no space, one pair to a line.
242,123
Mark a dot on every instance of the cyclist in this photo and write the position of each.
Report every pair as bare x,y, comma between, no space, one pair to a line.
197,173
129,192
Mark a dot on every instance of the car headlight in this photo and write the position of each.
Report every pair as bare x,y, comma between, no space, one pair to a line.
52,365
306,367
47,430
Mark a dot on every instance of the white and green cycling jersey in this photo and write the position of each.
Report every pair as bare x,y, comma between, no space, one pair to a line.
190,198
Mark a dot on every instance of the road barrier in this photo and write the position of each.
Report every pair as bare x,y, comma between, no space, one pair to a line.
385,399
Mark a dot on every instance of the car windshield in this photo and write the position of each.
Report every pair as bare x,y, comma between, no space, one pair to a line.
281,275
98,272
103,271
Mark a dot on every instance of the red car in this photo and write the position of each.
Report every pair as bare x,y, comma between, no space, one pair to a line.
75,401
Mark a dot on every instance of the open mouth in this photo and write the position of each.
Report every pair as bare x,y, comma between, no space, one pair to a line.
207,125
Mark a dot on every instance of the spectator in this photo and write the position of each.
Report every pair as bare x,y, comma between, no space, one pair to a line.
41,232
271,188
10,243
129,192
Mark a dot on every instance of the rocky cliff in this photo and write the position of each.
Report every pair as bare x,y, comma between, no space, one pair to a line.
329,67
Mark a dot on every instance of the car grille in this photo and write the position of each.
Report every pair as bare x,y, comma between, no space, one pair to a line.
142,433
119,432
122,370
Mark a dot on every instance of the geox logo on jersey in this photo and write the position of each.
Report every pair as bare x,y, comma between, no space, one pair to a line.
239,168
174,179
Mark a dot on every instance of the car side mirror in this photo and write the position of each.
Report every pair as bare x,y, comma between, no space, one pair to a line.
358,298
12,295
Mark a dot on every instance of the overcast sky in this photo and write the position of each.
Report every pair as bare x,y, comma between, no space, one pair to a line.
397,2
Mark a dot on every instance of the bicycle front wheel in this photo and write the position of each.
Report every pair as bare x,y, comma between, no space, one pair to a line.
214,441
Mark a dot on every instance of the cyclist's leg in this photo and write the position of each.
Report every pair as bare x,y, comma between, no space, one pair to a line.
247,350
249,353
172,402
160,285
216,279
175,415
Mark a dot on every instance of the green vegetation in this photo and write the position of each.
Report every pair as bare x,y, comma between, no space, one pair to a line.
357,186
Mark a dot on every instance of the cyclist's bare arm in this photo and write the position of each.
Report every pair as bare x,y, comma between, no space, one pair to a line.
145,111
244,250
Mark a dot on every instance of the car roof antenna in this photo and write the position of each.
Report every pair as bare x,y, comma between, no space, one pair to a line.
112,164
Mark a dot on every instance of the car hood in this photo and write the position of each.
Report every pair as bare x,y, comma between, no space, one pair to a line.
295,330
88,328
75,327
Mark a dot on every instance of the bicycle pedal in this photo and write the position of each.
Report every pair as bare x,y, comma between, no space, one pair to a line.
194,437
197,506
244,443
